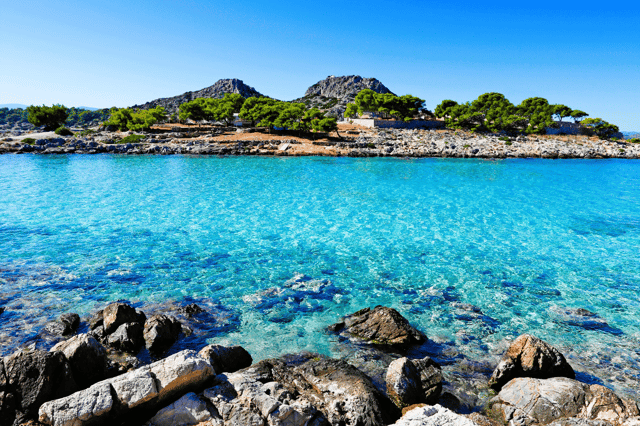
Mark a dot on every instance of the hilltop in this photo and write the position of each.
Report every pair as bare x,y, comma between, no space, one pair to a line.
222,86
334,93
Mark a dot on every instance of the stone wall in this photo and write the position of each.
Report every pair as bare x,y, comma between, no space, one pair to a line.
395,124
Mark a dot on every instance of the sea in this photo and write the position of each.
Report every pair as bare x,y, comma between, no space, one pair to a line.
472,252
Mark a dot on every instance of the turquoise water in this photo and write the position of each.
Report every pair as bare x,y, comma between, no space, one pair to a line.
285,246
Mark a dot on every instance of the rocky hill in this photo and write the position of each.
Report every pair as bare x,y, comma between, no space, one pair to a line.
334,93
227,85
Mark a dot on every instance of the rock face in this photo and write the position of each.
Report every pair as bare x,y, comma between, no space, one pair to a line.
434,415
116,314
414,381
188,410
380,326
528,400
160,332
146,389
227,85
33,377
87,358
128,337
334,93
226,359
304,390
530,357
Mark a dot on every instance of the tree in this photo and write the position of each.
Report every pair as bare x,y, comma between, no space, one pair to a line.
561,111
196,110
255,109
225,108
602,129
367,101
127,119
50,117
538,112
290,117
351,110
444,109
578,115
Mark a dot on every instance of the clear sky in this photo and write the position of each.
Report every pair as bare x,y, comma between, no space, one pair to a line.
119,53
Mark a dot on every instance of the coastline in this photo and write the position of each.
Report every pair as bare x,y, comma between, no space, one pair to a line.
357,143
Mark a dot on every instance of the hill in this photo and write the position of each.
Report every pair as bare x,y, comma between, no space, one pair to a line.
334,93
227,85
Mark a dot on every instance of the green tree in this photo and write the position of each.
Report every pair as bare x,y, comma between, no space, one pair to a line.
50,117
127,119
225,108
538,112
561,111
444,109
578,115
196,110
290,117
367,101
602,129
351,111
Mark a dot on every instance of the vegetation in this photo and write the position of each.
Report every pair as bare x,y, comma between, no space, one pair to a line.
50,117
63,131
29,141
13,115
131,139
221,110
127,119
601,128
399,107
633,140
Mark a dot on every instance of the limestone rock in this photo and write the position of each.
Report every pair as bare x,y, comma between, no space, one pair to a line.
188,410
381,326
226,359
87,358
528,400
403,383
134,388
431,379
71,322
128,337
116,314
433,415
160,332
530,357
34,377
82,408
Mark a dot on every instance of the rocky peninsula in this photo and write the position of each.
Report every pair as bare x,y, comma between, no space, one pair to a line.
95,375
349,141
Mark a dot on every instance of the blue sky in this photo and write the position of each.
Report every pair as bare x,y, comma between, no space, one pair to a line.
119,53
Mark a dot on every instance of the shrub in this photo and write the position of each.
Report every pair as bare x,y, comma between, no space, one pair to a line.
51,117
633,140
508,143
86,132
132,139
63,131
504,138
29,141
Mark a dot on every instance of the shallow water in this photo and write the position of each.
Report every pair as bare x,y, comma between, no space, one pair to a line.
286,246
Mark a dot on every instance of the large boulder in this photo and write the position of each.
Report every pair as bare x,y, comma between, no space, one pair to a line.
529,356
129,337
380,326
134,396
87,358
34,377
160,332
116,314
403,383
542,401
433,415
226,359
431,379
7,400
187,411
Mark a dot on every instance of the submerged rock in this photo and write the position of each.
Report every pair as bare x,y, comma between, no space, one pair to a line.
530,357
380,326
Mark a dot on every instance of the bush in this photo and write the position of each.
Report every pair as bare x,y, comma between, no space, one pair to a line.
29,141
63,131
85,132
50,117
132,139
633,140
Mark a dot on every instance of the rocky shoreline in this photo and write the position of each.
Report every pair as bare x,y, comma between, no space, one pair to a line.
95,376
361,143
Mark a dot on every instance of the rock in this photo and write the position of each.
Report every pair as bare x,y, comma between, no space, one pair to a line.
160,332
380,326
403,383
87,358
34,377
530,357
188,410
131,396
7,400
529,400
99,334
88,406
128,337
116,314
191,310
433,415
226,359
96,320
431,379
71,322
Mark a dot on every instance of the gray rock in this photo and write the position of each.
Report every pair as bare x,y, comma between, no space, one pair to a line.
529,401
188,410
116,314
403,383
380,326
87,358
530,357
226,359
7,400
71,322
431,379
89,406
34,377
135,388
433,415
128,337
160,332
